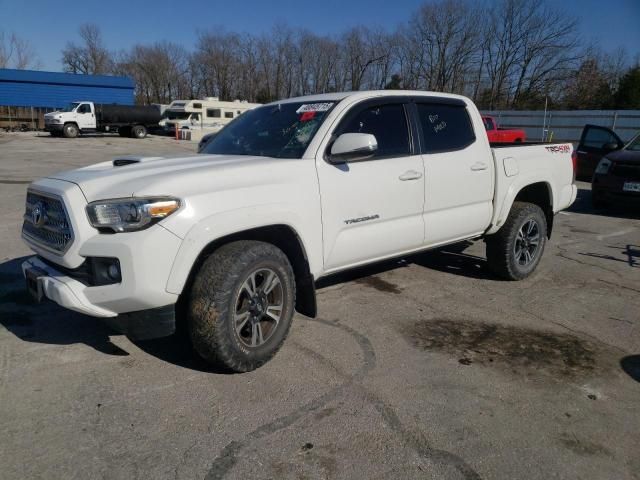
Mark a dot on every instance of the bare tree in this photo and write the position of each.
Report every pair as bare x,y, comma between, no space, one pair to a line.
16,52
510,54
91,56
161,72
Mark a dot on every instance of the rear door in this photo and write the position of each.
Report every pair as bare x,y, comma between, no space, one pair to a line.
372,209
595,142
458,171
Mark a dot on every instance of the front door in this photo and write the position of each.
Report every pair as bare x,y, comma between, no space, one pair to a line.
459,172
595,143
373,209
85,117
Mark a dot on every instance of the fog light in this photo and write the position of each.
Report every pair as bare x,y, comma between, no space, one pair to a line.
114,272
104,271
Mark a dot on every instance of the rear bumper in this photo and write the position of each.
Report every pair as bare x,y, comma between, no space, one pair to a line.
609,189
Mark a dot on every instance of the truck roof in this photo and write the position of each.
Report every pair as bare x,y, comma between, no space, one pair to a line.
358,95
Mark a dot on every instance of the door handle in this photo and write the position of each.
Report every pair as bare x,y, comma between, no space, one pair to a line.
479,166
410,175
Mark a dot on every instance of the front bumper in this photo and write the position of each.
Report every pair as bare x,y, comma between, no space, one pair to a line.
145,259
65,291
53,127
70,293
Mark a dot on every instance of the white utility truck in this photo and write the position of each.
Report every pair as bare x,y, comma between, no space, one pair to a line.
88,117
233,240
210,114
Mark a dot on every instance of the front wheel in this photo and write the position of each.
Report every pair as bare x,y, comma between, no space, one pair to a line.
241,305
70,130
515,250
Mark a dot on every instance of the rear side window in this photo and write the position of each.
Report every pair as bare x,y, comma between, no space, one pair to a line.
488,123
387,123
228,114
445,127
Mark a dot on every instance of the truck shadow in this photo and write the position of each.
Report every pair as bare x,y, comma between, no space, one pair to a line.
450,259
48,323
631,366
583,205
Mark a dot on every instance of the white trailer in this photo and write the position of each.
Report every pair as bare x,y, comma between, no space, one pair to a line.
209,113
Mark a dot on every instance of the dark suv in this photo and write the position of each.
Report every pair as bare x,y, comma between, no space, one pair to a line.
616,167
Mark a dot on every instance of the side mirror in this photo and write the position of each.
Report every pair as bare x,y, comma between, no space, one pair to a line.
610,146
353,147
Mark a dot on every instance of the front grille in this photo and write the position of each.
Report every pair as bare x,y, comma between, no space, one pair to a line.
46,222
629,171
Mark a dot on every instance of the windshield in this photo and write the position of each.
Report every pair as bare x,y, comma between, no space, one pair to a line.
171,115
281,131
634,145
70,107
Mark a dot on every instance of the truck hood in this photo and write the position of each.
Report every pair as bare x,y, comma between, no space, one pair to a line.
626,156
182,176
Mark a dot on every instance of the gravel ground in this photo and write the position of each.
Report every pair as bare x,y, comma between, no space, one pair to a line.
427,367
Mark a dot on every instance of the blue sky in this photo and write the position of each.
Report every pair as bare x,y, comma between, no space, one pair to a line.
49,24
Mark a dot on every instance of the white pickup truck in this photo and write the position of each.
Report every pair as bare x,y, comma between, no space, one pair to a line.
232,240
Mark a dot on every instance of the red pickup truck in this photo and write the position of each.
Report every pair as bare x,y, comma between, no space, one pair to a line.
502,135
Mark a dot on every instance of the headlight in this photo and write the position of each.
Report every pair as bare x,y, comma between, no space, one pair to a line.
603,166
130,214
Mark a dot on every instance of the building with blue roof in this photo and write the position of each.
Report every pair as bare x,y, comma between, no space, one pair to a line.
50,90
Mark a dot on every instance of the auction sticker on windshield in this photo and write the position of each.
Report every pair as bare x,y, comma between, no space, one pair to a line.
314,107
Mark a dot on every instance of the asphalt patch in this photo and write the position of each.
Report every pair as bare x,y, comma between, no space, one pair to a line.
581,446
498,345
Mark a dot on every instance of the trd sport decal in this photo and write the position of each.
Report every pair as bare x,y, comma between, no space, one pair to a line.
559,148
361,219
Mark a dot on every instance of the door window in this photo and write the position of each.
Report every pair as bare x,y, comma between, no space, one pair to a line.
387,123
596,138
445,127
84,108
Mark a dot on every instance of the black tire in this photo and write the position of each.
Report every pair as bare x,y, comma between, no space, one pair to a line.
139,131
70,130
507,249
219,299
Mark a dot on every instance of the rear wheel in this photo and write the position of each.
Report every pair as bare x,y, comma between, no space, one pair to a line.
241,305
515,250
139,131
70,130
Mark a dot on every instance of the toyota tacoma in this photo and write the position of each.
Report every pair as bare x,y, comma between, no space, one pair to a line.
233,239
